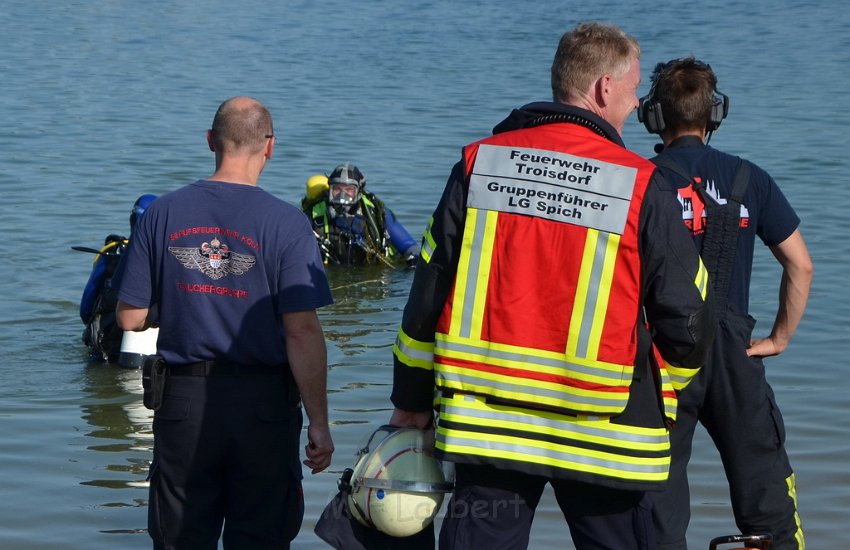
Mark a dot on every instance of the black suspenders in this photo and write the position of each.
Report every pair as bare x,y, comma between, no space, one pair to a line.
720,241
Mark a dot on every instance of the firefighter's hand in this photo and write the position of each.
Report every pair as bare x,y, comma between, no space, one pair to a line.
765,347
423,420
319,449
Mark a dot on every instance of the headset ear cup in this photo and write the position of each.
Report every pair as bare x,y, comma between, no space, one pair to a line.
649,112
716,117
719,111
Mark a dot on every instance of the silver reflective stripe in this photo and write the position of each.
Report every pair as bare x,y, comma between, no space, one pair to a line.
680,376
677,380
412,352
526,447
566,399
560,428
615,377
427,248
472,275
428,243
592,296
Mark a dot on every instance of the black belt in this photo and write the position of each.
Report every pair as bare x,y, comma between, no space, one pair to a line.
224,368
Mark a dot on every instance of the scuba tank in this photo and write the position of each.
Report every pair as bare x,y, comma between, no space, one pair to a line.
751,542
317,185
97,305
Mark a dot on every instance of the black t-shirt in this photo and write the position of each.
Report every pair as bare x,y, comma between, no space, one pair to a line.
765,212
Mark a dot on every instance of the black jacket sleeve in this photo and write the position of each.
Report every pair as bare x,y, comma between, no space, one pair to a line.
677,296
413,379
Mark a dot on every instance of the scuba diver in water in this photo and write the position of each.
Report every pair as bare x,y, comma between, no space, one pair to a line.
352,226
97,304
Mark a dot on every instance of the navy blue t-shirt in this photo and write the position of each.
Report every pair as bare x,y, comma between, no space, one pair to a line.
219,263
765,211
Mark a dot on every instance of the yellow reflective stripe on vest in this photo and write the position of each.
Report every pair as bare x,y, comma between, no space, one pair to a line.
473,272
525,375
533,360
414,353
518,380
594,288
633,453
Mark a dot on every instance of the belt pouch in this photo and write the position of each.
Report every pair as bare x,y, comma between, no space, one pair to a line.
153,382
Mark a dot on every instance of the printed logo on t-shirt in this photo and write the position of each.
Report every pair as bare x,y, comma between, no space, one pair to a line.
214,259
693,207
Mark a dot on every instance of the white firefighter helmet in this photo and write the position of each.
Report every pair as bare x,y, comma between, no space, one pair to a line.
396,486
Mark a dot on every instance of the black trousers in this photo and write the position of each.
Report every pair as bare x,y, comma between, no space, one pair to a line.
226,453
493,509
731,398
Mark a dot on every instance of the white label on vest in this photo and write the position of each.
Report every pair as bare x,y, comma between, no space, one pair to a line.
552,185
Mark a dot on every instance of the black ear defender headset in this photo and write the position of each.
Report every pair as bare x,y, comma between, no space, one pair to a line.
652,117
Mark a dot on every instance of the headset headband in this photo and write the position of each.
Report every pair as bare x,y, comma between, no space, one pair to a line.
650,111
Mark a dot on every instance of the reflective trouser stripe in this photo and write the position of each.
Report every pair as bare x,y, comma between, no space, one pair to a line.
585,444
791,481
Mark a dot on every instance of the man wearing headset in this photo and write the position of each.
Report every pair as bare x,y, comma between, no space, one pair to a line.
726,203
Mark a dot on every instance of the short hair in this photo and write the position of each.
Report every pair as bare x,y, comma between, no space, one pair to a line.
685,90
587,52
241,124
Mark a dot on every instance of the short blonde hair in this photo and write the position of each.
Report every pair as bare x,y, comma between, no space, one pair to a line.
587,52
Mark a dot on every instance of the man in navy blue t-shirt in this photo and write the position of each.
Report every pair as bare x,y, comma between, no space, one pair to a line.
726,203
233,278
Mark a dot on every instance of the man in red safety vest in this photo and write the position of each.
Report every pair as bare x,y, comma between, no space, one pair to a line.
552,266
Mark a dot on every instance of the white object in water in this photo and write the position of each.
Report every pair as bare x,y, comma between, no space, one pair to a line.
135,346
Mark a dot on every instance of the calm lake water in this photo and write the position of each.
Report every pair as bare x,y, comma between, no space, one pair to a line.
105,100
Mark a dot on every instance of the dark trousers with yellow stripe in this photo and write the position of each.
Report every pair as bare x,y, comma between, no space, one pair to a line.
731,398
493,509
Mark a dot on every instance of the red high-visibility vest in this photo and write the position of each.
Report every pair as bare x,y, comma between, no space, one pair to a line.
546,301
